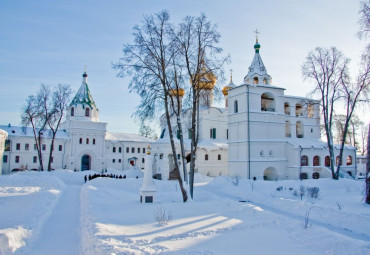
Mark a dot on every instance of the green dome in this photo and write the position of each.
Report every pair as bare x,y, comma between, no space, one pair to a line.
257,47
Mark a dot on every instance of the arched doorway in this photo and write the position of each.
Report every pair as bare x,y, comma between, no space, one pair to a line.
270,174
85,162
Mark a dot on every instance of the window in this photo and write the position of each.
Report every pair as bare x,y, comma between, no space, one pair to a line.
87,141
27,146
212,133
315,175
138,150
286,108
60,147
132,150
119,161
298,110
72,111
310,110
178,134
299,129
94,141
5,158
16,159
227,133
206,157
327,161
143,160
119,149
236,106
271,153
87,112
303,176
80,140
190,133
349,160
127,149
255,80
114,160
143,150
316,160
288,132
262,153
34,147
304,160
44,147
7,145
18,146
267,102
219,157
114,149
34,159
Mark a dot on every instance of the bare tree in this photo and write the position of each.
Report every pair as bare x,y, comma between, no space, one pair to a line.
147,131
149,60
197,38
36,113
59,104
328,68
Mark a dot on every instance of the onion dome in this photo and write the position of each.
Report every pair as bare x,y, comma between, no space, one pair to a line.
229,86
177,92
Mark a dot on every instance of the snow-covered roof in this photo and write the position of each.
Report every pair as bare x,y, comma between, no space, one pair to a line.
126,137
213,144
28,132
313,143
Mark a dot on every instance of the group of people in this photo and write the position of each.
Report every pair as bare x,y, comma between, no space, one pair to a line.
114,176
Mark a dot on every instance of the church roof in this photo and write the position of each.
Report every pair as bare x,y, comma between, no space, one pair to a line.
257,67
83,95
28,132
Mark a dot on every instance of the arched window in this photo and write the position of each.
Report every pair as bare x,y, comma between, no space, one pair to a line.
262,153
87,112
219,156
298,110
206,157
349,160
143,160
304,160
299,129
337,160
80,140
72,111
255,80
94,141
288,132
236,106
310,110
267,102
286,108
87,140
327,161
316,160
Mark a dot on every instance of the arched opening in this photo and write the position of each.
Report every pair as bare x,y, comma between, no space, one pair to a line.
87,112
206,157
72,111
315,175
288,132
286,108
87,141
327,161
80,141
219,157
299,129
270,174
236,106
316,161
267,102
349,160
255,80
304,160
310,110
265,81
85,162
298,110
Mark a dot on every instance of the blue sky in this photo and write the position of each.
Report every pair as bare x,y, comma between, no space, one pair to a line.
51,41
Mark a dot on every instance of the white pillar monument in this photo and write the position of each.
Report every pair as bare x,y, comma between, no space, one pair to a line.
147,191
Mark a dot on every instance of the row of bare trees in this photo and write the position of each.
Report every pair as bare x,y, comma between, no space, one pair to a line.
44,112
328,69
162,60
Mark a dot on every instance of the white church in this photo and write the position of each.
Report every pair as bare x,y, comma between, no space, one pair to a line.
260,134
82,142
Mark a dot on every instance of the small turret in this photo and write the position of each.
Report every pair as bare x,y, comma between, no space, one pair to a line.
226,89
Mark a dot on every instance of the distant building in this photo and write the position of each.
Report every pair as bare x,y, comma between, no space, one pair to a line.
82,142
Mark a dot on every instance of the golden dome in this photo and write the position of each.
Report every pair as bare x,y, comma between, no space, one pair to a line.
180,92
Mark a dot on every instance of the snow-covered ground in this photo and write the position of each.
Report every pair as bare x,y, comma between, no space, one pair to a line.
57,213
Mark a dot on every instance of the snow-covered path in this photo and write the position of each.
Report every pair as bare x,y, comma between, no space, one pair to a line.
60,234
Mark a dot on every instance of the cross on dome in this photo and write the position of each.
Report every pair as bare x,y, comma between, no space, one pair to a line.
257,33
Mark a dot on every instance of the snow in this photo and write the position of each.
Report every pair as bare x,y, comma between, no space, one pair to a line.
126,137
58,213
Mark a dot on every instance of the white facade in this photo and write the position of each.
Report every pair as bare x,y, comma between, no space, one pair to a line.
82,142
3,138
274,136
